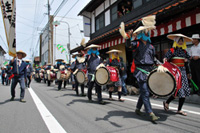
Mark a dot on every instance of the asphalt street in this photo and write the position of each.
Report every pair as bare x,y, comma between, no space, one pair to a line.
48,110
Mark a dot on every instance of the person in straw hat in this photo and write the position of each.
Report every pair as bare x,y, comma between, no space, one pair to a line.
179,50
79,64
195,60
116,62
20,72
93,62
29,69
144,57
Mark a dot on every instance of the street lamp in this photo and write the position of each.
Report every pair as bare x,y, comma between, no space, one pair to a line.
56,23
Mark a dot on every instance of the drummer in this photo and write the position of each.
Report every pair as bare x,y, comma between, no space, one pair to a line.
49,67
59,65
144,60
93,62
179,50
116,61
67,65
79,64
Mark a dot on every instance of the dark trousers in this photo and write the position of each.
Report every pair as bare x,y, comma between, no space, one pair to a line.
76,87
90,87
195,70
28,81
2,80
60,84
7,79
21,82
144,97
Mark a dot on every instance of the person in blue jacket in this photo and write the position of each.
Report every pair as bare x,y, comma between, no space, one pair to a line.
93,61
144,57
29,73
19,71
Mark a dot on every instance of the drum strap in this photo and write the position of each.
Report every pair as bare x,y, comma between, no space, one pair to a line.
93,77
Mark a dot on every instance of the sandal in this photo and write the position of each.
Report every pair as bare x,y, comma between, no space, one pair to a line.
166,108
181,113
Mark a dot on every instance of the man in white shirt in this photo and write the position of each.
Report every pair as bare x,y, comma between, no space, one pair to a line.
195,59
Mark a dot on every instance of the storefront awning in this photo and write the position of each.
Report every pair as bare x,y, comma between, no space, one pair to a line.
181,22
112,42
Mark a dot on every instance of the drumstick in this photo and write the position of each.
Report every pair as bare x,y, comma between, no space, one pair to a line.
142,70
195,86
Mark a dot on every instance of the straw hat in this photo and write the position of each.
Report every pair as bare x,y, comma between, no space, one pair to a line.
92,46
59,60
21,52
114,51
83,42
195,36
142,28
172,37
149,20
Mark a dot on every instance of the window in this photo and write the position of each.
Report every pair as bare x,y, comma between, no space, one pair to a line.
114,13
100,22
137,3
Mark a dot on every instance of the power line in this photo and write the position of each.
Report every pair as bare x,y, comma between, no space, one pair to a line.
70,9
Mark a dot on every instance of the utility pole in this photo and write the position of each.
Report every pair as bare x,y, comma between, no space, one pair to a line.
48,28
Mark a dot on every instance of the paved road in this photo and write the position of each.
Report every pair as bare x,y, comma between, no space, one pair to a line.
49,110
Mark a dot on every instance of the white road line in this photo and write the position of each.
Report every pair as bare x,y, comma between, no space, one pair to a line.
50,121
156,105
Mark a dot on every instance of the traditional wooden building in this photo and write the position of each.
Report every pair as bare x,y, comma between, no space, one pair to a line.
102,20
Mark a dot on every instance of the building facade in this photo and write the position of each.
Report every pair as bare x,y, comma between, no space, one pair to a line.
2,57
102,20
46,44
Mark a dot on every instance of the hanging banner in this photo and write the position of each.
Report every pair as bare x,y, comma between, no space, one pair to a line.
8,9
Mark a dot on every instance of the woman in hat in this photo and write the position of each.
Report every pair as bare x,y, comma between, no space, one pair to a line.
93,62
178,52
19,71
116,62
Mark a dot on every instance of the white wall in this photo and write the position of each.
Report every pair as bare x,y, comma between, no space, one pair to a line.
113,1
99,9
107,3
93,22
107,17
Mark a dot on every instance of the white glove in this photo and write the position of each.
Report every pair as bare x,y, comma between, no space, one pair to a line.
122,31
162,69
100,65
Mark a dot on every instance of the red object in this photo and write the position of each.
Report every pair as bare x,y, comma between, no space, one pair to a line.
84,70
11,77
4,75
133,67
174,70
113,74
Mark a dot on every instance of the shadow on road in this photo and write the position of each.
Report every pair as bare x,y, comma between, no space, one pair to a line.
163,116
7,101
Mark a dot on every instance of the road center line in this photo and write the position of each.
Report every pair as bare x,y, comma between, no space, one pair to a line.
154,104
50,121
